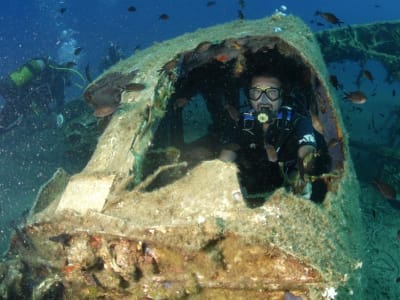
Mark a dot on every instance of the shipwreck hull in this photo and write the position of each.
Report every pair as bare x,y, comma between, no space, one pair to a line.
103,234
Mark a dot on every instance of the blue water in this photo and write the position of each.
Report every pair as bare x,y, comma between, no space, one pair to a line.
32,28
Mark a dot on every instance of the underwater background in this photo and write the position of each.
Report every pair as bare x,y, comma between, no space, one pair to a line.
37,28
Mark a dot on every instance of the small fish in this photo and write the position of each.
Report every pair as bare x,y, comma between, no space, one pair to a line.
134,87
222,58
393,93
62,10
104,111
211,3
241,4
63,238
87,73
319,24
180,102
329,17
385,189
78,50
356,97
163,17
131,9
368,75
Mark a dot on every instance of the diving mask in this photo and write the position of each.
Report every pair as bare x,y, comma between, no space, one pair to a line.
272,93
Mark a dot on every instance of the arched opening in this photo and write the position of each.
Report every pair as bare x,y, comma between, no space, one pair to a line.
210,87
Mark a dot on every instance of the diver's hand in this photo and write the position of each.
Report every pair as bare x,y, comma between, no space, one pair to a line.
302,186
227,155
307,155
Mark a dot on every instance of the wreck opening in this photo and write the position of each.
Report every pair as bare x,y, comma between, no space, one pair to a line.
210,84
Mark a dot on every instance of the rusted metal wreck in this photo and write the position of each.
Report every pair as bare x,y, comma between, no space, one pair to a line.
121,229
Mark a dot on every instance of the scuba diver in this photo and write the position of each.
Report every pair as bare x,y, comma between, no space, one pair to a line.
114,55
274,144
37,86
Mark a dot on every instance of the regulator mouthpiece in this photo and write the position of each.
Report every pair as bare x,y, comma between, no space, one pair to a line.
264,116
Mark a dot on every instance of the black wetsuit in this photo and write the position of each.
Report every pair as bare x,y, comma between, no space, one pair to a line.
286,134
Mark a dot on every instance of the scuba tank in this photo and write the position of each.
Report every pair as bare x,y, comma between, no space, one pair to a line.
284,118
27,72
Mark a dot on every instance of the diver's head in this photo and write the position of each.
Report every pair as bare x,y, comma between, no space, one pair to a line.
265,96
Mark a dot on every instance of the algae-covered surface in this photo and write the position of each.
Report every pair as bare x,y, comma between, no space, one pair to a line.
195,237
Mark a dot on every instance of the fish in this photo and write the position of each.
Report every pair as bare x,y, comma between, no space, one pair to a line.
356,97
105,96
393,93
163,17
63,238
104,111
62,10
180,102
133,87
211,3
241,4
131,8
385,189
368,75
78,50
222,57
329,17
